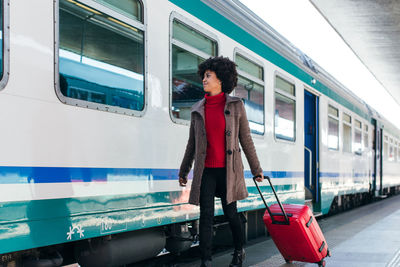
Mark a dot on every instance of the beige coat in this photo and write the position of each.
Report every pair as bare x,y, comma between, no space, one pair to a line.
236,129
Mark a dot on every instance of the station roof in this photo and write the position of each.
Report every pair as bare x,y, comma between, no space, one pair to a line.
372,30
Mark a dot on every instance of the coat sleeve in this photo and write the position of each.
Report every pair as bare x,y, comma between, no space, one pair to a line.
247,142
188,158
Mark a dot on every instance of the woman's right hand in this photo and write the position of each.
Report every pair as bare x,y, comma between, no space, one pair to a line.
182,181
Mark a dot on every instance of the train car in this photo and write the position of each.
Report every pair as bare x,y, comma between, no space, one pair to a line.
94,111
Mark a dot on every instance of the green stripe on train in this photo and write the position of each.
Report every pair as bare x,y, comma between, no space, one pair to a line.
36,223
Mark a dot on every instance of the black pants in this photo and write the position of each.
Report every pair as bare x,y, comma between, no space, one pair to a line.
213,183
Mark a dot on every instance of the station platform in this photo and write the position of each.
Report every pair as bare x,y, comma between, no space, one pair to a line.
365,236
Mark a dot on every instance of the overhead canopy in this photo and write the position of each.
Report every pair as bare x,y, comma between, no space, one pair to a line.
371,29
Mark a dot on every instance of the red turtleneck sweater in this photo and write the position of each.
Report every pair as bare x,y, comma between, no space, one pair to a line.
215,129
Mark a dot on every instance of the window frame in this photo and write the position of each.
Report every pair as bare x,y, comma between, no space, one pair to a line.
113,14
201,30
338,120
359,130
351,131
365,133
391,149
292,97
244,74
6,44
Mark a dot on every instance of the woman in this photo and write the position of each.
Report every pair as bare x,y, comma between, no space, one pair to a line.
218,123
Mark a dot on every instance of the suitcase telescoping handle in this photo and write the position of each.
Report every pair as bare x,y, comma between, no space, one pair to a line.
276,196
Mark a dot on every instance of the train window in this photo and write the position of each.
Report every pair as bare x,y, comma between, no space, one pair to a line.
129,8
249,67
285,109
357,137
395,152
189,36
391,150
346,118
358,124
101,59
333,111
250,88
284,85
347,140
333,128
189,49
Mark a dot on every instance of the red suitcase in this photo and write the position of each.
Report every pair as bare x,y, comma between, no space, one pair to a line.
295,231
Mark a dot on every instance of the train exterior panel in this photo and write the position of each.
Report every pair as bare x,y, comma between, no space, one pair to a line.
72,169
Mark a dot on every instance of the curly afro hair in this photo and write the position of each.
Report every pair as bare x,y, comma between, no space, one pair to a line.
224,68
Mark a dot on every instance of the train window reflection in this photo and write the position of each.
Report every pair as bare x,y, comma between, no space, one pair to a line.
101,60
128,8
333,128
333,111
284,85
285,110
284,117
347,140
191,37
250,88
249,67
346,118
189,49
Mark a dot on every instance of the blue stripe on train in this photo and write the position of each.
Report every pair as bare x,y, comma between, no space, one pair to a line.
23,174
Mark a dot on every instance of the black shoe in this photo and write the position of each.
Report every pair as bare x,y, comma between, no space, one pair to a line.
205,263
238,258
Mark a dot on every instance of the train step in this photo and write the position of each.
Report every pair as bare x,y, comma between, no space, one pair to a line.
317,214
382,196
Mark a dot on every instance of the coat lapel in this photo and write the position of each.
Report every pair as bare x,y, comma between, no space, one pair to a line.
199,108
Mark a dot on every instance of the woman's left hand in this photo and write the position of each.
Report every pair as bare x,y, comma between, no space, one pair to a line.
260,178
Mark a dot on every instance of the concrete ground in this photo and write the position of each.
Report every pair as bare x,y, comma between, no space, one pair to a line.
366,236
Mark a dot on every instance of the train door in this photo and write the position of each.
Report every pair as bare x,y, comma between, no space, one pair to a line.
311,151
377,146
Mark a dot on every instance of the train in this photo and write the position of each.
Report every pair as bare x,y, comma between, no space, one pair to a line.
95,99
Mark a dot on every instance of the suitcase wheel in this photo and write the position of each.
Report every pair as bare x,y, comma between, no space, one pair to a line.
288,261
322,263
